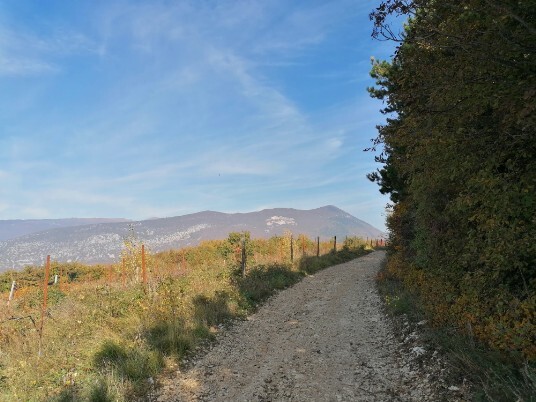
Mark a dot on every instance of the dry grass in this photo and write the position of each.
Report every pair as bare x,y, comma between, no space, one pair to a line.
104,341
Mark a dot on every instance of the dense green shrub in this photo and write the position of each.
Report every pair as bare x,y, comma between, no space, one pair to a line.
459,147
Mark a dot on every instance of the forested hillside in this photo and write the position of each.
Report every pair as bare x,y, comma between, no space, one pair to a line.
459,148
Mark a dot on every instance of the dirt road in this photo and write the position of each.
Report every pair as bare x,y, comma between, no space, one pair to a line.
325,339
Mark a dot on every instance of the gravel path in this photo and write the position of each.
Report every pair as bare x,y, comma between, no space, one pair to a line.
324,339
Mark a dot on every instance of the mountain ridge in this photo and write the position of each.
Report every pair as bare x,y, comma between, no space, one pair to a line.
102,242
13,228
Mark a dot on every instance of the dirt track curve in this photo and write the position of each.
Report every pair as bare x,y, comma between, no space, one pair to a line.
324,339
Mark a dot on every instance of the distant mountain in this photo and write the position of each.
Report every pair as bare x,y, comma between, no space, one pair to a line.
102,242
12,229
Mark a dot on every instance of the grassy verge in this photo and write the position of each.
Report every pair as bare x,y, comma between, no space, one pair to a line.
108,341
492,376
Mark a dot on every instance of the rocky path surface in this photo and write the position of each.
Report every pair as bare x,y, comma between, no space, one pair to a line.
324,339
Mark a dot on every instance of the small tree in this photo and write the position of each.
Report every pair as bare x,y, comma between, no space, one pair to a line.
131,254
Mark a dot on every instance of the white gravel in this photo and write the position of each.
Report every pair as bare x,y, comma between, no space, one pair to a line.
324,339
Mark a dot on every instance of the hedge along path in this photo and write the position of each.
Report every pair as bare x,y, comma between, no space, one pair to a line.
324,339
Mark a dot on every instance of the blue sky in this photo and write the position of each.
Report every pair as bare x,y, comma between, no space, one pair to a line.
143,109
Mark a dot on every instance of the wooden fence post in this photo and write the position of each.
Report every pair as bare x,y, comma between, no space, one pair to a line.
303,246
318,246
335,243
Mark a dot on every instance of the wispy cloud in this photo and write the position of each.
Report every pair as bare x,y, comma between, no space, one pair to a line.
137,107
